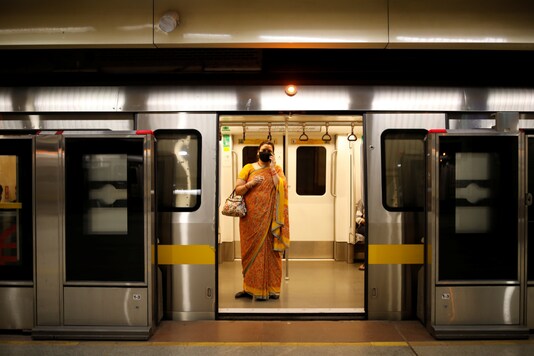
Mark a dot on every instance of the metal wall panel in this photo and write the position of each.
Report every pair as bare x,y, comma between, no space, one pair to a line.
459,24
264,98
79,121
467,305
530,307
275,23
49,200
116,306
81,23
16,308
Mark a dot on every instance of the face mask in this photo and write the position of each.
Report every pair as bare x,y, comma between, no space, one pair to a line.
265,156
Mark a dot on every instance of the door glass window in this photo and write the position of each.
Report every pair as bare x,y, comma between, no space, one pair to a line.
311,170
403,170
16,210
106,211
179,170
9,212
104,180
478,208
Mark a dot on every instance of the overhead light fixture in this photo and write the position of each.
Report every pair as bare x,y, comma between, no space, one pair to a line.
169,21
291,90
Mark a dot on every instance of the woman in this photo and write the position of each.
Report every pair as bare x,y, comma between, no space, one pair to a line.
265,229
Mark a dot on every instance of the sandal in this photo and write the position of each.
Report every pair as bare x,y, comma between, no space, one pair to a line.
242,294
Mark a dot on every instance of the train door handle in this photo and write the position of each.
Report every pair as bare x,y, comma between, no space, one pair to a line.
528,199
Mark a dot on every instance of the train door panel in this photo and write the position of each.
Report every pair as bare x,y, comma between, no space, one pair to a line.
530,231
311,197
346,191
395,223
186,154
475,240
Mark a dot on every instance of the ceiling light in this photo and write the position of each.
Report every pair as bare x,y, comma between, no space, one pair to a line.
291,90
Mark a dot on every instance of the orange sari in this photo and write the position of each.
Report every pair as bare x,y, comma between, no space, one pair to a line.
264,233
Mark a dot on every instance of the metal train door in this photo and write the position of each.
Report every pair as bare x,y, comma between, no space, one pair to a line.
529,270
394,145
16,232
186,160
93,268
312,198
474,245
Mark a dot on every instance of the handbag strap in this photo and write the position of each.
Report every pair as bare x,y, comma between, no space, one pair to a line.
233,193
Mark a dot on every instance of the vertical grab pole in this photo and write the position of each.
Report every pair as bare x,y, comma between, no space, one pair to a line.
352,223
333,191
286,146
234,178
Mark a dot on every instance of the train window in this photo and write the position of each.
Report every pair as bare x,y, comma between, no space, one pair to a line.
250,154
16,210
403,169
477,211
9,234
178,155
311,170
104,209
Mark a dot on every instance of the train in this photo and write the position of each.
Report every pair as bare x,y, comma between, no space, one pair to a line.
115,193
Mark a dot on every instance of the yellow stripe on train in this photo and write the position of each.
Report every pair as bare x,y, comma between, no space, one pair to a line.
395,254
186,255
205,254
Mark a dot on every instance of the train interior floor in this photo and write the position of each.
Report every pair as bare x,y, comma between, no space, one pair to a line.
308,286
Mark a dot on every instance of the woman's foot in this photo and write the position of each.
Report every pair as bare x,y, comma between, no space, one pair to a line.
242,294
362,267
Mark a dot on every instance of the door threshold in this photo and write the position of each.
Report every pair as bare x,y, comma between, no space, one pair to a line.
292,310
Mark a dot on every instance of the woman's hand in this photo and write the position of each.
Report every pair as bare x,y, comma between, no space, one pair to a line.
255,181
273,161
274,173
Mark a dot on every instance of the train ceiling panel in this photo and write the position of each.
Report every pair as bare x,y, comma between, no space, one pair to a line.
460,24
356,24
274,23
80,23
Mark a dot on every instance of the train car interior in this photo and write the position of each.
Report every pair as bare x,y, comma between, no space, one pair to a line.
322,161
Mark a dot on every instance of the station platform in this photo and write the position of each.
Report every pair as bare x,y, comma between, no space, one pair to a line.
224,337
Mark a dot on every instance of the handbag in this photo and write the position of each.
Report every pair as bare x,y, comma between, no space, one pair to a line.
234,206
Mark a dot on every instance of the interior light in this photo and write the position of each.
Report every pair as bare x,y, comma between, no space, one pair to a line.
291,90
169,21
